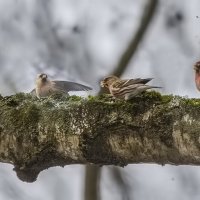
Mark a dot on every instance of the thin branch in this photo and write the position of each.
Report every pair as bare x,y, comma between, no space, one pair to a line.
147,17
92,177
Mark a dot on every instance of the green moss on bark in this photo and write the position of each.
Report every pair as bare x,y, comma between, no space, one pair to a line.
39,133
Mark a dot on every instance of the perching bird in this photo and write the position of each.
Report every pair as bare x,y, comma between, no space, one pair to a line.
45,87
126,89
197,74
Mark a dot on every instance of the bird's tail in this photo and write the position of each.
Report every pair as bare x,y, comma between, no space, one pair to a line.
137,90
155,87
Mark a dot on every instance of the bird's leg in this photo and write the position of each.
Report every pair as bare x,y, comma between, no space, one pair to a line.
111,97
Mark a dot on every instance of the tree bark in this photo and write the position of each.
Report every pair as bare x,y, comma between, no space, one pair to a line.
36,134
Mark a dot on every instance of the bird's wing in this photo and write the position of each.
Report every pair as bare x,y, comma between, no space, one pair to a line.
33,92
136,81
70,86
128,82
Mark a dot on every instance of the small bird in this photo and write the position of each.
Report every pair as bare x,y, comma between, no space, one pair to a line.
126,89
197,74
45,87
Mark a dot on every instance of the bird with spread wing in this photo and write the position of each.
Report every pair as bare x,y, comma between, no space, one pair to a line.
45,87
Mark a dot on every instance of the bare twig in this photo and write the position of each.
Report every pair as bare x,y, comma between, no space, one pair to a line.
147,17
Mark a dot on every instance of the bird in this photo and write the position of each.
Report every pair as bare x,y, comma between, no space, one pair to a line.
197,74
127,88
44,87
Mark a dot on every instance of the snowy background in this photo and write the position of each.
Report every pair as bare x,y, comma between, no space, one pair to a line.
82,40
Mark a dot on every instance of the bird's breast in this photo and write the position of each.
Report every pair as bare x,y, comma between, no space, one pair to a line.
43,91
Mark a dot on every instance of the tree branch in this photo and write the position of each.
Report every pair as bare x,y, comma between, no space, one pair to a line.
36,134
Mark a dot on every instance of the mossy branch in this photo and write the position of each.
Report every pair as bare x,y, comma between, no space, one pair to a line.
36,134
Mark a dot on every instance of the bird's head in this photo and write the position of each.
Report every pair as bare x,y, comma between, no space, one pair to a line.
197,74
106,82
197,67
41,78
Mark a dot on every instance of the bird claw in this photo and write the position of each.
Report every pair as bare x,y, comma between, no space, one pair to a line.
110,96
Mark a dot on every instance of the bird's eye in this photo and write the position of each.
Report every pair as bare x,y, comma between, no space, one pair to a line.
44,76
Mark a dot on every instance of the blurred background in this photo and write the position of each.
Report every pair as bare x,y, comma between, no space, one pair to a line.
83,41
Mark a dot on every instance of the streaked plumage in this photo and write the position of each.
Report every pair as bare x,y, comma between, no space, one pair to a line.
126,89
45,87
197,74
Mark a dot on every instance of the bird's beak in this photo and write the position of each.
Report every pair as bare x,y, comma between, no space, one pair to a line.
44,78
197,67
102,84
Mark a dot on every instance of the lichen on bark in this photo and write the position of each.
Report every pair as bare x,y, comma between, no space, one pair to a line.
36,134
